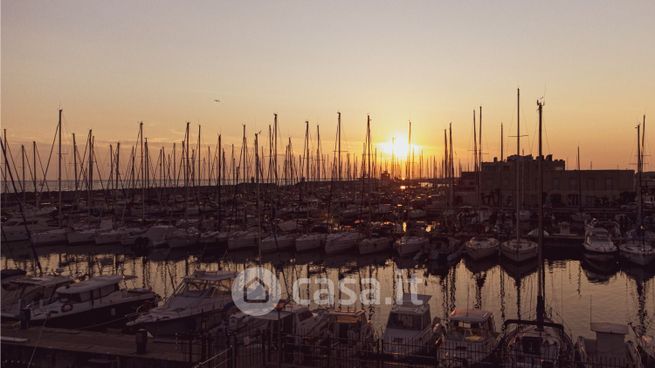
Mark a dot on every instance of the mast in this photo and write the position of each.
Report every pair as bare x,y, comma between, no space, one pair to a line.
275,146
143,175
59,218
36,199
90,201
541,284
502,137
518,156
410,154
480,160
339,145
639,194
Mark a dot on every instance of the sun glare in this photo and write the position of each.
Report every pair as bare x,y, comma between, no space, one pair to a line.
398,148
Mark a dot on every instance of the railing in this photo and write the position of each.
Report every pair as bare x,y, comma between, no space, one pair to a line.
268,348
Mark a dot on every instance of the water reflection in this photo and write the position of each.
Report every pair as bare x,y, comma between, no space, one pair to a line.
617,292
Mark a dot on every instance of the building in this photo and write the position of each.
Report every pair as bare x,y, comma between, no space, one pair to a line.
562,188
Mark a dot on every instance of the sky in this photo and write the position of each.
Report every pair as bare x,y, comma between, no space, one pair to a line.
111,64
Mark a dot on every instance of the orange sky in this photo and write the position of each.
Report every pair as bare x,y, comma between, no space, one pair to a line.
112,64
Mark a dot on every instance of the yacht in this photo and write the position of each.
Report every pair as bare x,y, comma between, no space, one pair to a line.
341,241
310,241
201,298
29,292
480,247
96,302
637,251
597,240
86,233
410,244
540,342
297,320
410,329
609,347
519,249
351,329
470,338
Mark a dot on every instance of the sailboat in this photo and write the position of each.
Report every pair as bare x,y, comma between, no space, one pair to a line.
519,249
637,249
481,246
542,342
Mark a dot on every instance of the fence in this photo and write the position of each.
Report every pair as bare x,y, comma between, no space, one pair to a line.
266,348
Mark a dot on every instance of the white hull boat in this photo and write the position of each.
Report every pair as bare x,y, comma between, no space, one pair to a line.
341,242
519,250
480,247
409,245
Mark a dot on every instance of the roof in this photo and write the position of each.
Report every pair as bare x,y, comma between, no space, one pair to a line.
609,328
42,280
407,305
219,275
93,283
470,315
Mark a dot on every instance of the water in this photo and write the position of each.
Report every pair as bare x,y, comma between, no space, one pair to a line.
575,288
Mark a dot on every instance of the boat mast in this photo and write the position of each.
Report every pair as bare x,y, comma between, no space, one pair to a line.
339,146
59,218
639,194
518,157
542,278
480,160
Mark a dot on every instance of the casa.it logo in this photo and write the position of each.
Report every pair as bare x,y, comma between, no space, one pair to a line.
256,291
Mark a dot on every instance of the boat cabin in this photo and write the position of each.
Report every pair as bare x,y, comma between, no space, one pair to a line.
206,284
348,325
470,324
88,290
410,315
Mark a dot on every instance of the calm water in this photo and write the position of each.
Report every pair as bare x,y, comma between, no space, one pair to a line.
576,289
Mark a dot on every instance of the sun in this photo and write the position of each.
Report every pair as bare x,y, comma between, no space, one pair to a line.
399,148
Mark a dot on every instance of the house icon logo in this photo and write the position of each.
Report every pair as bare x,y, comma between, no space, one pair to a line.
256,291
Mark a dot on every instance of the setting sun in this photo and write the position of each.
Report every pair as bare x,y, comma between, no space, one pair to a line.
399,148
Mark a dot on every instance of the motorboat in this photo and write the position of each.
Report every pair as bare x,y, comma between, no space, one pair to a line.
409,245
470,338
29,292
410,329
93,303
297,320
277,242
351,330
341,241
519,250
608,348
480,247
598,240
201,298
310,241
